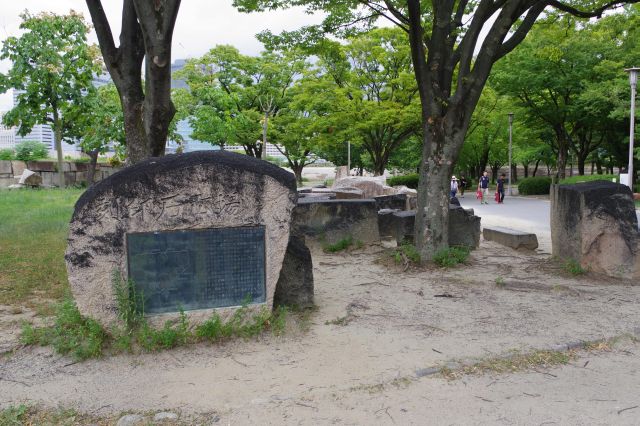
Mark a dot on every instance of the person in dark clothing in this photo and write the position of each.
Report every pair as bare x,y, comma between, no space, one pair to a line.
483,188
501,181
462,185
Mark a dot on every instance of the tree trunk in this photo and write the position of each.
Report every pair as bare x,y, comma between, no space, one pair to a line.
526,169
561,163
158,108
57,135
91,172
535,169
514,172
137,142
297,171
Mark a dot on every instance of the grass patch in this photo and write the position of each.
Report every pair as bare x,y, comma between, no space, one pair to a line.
574,268
500,282
13,415
451,256
406,253
341,245
85,338
33,237
515,363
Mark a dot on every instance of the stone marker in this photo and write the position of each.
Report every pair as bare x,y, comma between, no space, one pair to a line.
30,178
510,237
595,224
198,231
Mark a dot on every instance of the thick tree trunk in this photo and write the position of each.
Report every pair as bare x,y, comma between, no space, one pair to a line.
93,155
297,172
526,169
158,107
514,172
561,163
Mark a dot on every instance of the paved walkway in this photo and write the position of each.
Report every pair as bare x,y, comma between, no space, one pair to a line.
521,213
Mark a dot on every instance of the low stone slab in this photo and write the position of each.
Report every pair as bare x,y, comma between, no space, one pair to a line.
334,220
202,229
5,167
396,201
510,237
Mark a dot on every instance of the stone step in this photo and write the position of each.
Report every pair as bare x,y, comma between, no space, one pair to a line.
510,237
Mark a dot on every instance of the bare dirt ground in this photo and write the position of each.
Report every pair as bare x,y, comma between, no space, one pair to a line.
359,358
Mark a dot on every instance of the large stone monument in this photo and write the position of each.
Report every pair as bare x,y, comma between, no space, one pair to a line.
202,231
595,224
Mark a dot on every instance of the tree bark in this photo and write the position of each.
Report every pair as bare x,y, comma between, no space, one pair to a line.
91,172
526,169
57,136
147,30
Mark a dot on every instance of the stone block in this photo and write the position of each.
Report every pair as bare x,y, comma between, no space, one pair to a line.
30,178
295,285
464,227
394,202
333,220
510,237
178,197
341,173
5,167
42,166
386,222
371,186
595,224
343,193
18,167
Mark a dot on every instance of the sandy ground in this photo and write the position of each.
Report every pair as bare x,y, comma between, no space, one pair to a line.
363,370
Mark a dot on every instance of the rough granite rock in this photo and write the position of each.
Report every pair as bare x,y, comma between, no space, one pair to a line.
595,224
198,190
510,237
371,186
30,178
333,220
464,227
295,285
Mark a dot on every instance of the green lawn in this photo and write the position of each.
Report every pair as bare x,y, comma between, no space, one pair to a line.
33,238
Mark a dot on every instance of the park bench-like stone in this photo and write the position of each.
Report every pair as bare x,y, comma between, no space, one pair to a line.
201,231
595,224
510,237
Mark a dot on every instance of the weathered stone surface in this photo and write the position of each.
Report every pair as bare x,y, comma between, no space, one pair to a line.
198,190
343,193
595,224
464,227
334,220
510,237
371,186
5,167
30,178
387,222
42,166
18,167
396,201
295,285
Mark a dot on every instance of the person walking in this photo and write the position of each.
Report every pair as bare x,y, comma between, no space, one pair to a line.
462,185
454,186
483,187
501,181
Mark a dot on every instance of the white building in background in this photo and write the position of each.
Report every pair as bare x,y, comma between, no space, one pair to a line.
43,133
7,136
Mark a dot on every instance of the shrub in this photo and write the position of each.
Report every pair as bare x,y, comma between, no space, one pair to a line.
410,181
538,185
451,256
6,154
31,150
589,178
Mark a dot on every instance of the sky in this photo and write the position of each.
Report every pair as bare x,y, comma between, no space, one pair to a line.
201,25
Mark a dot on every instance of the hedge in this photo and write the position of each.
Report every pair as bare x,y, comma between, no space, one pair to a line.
538,185
410,181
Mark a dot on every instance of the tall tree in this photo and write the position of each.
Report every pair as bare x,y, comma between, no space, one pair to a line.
451,62
53,68
146,34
